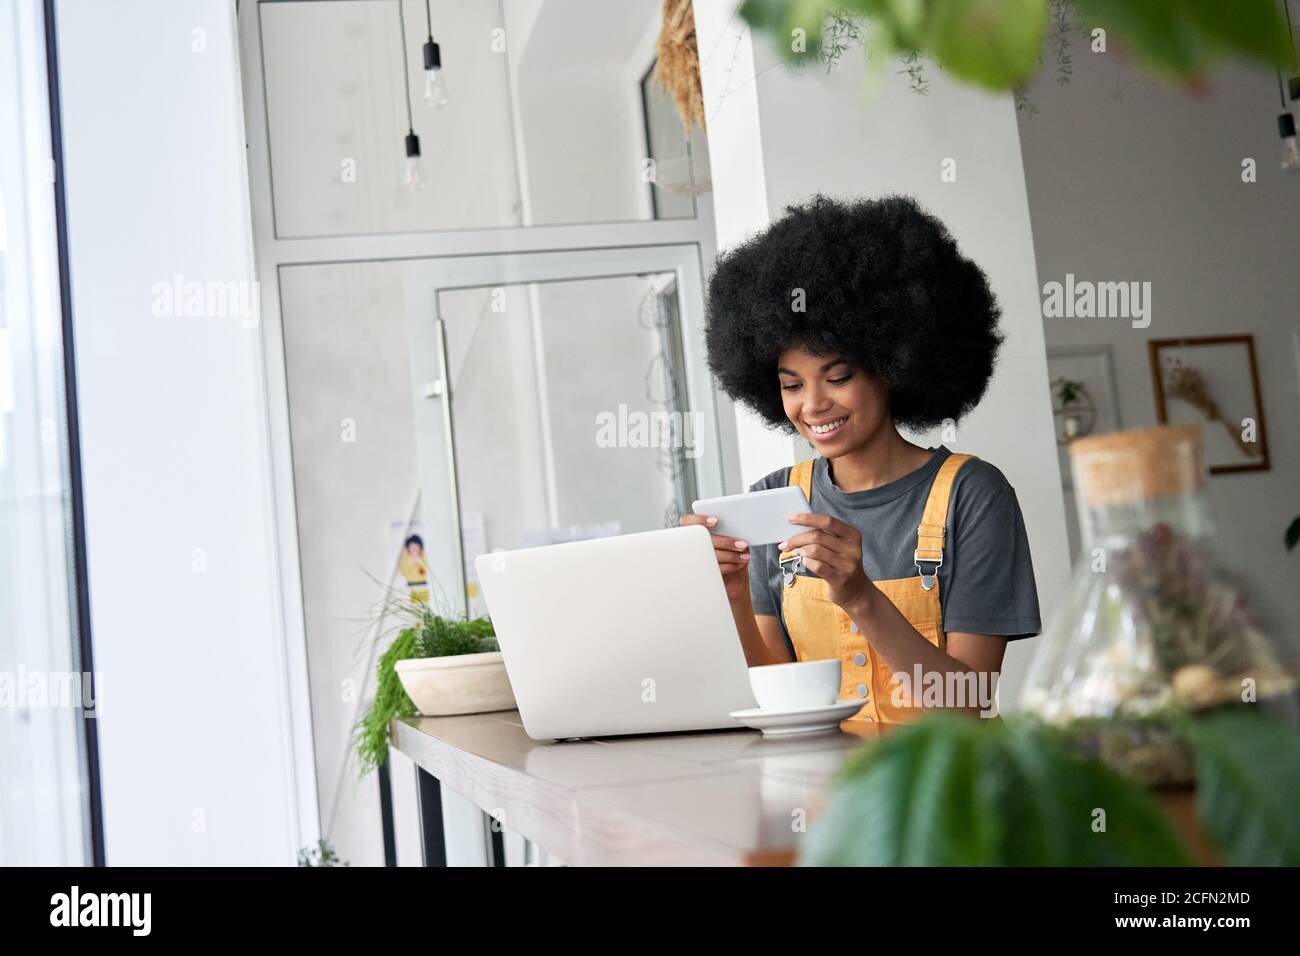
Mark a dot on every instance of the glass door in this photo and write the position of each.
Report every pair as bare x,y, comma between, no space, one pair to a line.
558,396
48,700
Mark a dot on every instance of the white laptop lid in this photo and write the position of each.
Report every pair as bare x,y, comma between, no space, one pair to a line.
623,635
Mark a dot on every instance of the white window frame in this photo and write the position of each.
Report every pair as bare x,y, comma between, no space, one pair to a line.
274,252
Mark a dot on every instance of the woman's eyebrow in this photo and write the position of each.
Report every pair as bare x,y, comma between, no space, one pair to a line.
825,368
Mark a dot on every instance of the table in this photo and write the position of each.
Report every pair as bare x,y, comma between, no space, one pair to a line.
728,797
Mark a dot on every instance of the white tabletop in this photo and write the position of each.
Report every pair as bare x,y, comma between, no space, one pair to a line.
719,798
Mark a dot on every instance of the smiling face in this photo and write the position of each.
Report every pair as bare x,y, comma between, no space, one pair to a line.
835,406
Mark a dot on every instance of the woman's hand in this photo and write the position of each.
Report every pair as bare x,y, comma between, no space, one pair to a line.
733,556
832,550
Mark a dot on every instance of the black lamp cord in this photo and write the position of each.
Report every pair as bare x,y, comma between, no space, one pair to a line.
428,19
1290,35
406,76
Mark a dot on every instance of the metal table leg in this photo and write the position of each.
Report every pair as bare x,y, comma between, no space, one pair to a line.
433,844
386,814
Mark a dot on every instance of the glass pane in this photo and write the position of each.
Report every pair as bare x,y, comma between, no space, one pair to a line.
546,120
568,416
43,796
532,367
678,171
356,485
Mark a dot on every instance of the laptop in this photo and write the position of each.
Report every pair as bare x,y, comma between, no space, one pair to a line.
622,635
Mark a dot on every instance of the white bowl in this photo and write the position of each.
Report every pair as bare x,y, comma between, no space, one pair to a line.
462,684
792,686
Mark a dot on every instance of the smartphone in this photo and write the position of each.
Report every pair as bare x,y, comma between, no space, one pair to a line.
756,517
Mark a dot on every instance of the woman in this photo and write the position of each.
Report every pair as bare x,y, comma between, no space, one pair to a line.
844,322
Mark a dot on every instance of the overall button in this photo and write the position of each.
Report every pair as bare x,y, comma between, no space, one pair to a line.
860,659
853,627
862,690
869,720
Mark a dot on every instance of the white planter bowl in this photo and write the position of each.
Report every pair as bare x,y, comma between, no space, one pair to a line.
462,684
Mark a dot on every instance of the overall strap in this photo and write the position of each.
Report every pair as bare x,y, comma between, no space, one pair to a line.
931,535
801,477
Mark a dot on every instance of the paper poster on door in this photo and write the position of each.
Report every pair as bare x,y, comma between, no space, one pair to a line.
473,539
412,563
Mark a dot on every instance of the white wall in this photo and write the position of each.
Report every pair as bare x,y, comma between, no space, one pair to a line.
1132,180
195,733
333,73
831,134
580,135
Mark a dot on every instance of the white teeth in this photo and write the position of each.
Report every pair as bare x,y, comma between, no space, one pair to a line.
828,427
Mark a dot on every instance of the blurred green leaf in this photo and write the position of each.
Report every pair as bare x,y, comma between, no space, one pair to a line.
780,19
1157,32
997,43
992,43
1248,779
1253,27
1184,37
949,791
900,24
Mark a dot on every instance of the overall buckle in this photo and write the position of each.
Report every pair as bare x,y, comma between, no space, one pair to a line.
927,579
790,567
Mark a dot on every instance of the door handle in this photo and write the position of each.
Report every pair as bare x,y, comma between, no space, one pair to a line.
442,389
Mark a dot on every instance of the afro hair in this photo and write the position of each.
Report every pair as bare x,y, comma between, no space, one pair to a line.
881,283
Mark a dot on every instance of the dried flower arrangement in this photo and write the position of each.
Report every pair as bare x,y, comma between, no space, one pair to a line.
1189,384
1191,643
677,69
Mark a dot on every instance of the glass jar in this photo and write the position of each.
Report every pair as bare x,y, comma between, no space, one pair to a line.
1151,627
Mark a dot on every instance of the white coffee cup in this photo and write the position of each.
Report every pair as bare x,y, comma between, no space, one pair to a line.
795,686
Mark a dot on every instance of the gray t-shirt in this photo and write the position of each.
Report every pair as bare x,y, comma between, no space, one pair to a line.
986,583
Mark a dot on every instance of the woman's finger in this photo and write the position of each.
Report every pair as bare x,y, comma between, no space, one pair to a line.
722,542
689,519
734,565
815,537
824,523
827,556
819,568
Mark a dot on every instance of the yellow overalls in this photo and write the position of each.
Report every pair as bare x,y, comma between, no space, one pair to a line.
821,630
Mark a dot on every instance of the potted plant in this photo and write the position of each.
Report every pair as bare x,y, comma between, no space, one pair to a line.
436,666
951,791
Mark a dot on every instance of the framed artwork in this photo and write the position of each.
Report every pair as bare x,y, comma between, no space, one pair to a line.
1085,397
1213,380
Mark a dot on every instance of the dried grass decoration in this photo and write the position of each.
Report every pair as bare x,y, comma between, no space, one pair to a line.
678,67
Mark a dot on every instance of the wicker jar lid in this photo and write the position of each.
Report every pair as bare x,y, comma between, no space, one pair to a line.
1132,466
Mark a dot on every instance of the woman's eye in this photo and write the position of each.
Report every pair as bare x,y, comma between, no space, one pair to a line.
789,388
839,381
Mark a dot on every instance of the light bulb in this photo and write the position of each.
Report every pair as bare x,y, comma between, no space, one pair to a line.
413,178
1290,154
435,87
1290,149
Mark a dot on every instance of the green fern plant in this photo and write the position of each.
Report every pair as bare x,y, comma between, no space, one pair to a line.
322,854
425,634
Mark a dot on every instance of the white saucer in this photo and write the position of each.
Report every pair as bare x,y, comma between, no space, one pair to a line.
805,720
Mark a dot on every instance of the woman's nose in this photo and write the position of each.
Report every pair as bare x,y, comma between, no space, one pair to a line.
815,400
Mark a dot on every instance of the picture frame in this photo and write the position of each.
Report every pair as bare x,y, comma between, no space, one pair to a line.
1094,367
1213,380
